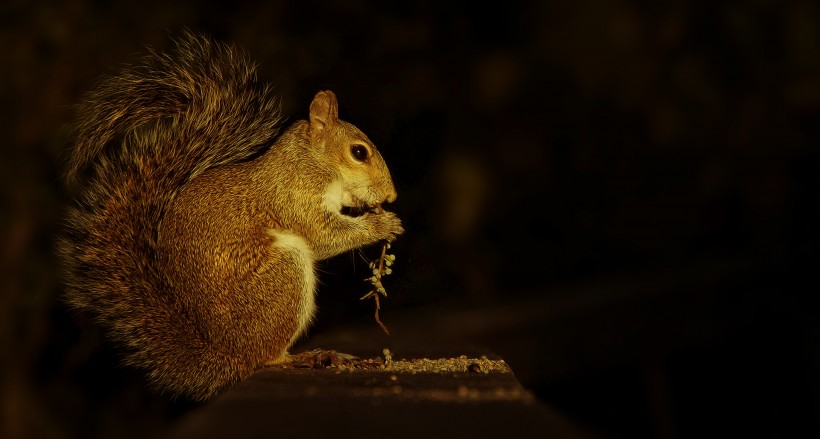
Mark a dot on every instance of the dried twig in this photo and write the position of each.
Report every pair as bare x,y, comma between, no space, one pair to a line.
381,269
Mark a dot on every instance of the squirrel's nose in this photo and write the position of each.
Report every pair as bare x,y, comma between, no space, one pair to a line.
391,197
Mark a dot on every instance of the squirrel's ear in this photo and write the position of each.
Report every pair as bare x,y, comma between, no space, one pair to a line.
324,112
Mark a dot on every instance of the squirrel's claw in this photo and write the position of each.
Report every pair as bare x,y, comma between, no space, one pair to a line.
315,359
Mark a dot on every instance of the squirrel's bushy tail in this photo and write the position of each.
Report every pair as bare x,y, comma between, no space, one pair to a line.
142,135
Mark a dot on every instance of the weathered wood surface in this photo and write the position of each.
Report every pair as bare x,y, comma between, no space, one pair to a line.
379,403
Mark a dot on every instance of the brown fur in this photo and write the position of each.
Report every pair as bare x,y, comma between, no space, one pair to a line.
195,234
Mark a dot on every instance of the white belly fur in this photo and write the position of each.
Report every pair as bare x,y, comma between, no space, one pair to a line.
297,246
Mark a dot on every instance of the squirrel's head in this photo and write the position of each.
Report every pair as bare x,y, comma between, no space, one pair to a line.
363,181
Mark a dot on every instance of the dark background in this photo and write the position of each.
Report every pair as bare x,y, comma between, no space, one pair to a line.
620,198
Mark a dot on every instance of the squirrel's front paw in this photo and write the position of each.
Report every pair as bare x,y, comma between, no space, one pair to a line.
386,224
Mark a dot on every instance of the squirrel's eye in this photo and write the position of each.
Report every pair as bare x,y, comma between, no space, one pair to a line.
359,152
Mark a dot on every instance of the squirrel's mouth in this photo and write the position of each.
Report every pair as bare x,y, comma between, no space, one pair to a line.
355,207
360,210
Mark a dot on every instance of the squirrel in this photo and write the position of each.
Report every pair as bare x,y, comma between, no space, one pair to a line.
198,225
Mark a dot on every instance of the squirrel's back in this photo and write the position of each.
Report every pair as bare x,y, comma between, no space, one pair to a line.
141,136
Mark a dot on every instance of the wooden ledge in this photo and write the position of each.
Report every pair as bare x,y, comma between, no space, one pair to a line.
456,395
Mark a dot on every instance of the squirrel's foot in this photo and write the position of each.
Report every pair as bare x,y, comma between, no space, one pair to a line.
315,359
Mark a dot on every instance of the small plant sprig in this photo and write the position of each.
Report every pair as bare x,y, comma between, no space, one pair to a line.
380,268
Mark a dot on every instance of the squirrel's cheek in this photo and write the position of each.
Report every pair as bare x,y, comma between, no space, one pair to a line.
334,196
